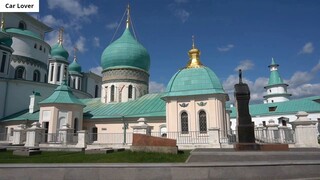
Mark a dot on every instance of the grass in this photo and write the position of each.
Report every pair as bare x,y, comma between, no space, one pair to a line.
80,157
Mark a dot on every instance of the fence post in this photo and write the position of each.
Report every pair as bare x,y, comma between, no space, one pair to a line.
142,127
305,131
272,132
19,135
214,138
66,133
35,135
82,139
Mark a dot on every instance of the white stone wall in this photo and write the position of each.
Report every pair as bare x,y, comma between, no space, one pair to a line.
214,108
53,77
90,81
121,91
61,111
29,70
15,94
279,89
259,120
24,46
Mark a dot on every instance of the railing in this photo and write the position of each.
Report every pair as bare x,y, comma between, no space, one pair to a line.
110,138
4,137
191,137
53,138
264,136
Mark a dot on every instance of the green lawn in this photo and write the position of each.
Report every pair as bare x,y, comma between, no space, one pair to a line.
80,157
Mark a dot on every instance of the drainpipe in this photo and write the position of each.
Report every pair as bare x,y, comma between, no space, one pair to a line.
125,127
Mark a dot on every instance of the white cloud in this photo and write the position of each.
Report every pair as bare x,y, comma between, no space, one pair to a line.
316,68
179,12
96,42
299,78
53,22
52,38
225,48
307,48
304,90
256,88
244,65
80,44
73,7
182,14
97,70
155,87
111,26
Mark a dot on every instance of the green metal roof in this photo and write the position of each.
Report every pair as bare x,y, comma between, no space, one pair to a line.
23,32
310,104
58,52
149,105
74,67
22,115
194,81
62,95
125,51
274,78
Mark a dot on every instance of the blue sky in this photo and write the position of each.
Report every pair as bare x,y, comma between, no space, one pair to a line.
229,33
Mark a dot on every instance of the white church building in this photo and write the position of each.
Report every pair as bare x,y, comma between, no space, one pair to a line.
56,98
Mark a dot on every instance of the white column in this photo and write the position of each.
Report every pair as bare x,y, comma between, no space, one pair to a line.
76,84
54,81
133,92
61,73
49,74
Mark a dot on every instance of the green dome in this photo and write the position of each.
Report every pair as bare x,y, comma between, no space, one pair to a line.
5,39
57,51
194,81
74,67
125,52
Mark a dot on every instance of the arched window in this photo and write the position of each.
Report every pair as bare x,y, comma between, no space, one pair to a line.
184,123
112,93
96,91
3,62
20,73
35,46
203,122
130,91
40,48
58,75
74,83
36,76
51,75
22,25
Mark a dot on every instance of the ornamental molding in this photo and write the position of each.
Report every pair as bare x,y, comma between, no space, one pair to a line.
28,61
183,104
202,103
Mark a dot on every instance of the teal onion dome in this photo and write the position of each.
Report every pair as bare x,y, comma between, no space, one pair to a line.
58,51
194,81
125,52
74,67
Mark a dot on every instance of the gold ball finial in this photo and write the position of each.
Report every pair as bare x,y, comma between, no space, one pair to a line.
194,55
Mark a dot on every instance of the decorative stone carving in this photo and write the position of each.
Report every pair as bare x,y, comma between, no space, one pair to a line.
183,104
202,103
